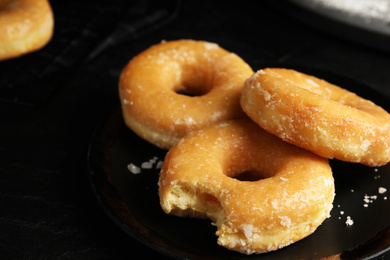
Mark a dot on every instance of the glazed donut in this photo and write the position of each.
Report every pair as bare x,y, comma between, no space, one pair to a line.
319,116
261,193
175,87
25,26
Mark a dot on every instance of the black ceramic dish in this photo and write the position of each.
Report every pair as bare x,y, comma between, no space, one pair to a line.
131,200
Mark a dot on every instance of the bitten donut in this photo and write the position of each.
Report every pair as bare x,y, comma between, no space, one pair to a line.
175,87
319,116
25,26
261,193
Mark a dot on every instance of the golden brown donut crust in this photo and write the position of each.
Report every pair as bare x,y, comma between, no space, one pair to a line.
319,116
25,26
150,83
292,193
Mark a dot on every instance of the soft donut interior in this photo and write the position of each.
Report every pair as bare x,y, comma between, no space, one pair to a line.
195,202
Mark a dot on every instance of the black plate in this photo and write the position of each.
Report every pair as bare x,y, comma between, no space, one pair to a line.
131,200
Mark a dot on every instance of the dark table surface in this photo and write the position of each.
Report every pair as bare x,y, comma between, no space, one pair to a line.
47,208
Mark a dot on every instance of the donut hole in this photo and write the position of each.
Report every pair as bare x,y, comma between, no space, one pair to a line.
248,176
194,81
246,167
191,90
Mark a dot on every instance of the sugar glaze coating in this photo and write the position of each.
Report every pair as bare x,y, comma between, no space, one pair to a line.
317,115
290,192
151,88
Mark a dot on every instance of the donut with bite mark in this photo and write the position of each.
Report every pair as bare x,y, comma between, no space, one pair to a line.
261,193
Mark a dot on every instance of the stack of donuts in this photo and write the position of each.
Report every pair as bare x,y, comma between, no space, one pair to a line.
247,150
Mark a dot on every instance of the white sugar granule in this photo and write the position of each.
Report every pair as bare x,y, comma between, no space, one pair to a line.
159,164
147,165
133,168
312,83
349,221
285,221
216,115
211,45
369,199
